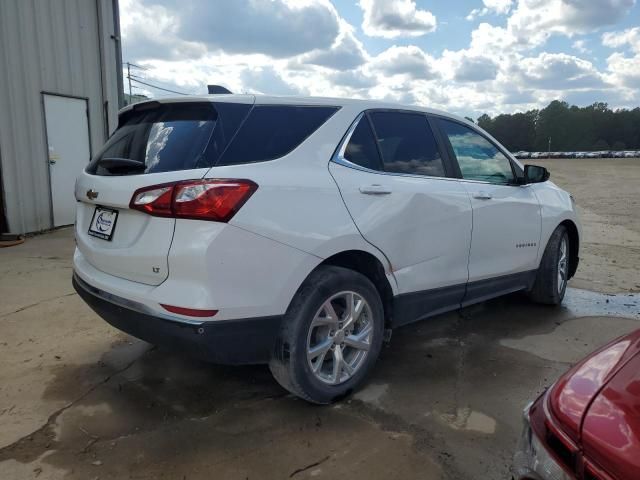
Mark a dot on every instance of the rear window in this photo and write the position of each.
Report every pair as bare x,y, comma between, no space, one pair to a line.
272,131
158,137
167,137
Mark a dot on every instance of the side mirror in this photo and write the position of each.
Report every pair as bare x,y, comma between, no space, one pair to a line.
535,174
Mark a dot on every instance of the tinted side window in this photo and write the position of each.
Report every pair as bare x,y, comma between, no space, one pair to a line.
407,143
272,131
478,158
361,148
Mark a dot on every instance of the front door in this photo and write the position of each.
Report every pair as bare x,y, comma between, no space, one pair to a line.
395,184
506,216
69,153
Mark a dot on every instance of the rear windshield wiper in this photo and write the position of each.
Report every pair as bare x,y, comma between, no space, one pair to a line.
112,163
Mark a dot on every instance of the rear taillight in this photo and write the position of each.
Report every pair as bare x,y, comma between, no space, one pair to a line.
214,199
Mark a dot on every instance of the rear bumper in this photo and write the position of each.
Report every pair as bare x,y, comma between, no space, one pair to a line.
233,342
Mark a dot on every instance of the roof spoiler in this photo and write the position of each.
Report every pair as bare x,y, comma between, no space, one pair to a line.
217,90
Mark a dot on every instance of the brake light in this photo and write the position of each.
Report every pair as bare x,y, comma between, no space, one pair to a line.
213,199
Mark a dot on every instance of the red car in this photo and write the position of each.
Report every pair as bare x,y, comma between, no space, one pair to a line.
587,425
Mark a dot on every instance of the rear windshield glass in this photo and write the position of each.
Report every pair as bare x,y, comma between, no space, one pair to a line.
167,137
272,131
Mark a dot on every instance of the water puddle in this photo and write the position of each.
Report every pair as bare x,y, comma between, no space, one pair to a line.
471,420
596,318
584,303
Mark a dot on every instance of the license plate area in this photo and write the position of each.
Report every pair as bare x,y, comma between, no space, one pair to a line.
103,223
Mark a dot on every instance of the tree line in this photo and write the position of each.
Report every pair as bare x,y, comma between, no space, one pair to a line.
569,127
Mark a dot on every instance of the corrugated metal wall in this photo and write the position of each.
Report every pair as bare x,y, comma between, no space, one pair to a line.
67,47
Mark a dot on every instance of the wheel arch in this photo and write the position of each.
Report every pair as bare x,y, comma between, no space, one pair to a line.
371,267
574,245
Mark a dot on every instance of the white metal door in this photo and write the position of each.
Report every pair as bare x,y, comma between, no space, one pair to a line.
67,126
506,230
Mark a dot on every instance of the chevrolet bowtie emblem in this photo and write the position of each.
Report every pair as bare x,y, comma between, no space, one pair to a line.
92,194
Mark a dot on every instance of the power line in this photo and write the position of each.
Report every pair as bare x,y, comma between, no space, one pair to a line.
134,78
131,79
134,65
155,81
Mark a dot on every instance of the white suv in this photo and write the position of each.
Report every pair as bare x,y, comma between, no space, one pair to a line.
299,231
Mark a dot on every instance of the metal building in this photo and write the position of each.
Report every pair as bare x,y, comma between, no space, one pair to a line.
60,90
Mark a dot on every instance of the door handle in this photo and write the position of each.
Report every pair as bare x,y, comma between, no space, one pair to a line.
375,189
482,196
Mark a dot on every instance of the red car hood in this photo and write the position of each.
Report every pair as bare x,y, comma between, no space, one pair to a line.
573,393
611,428
597,403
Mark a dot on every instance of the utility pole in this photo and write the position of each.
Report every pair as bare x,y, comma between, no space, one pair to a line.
549,148
129,77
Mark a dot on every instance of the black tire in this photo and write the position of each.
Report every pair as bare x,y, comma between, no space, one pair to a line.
289,364
546,289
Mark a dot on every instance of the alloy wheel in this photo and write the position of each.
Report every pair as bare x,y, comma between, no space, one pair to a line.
562,265
339,337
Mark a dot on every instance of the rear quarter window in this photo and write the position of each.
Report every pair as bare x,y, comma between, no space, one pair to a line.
272,131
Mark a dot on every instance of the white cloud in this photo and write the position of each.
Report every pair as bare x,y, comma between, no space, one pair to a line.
499,7
533,21
395,18
317,52
356,79
557,71
630,37
152,32
266,80
581,46
487,39
464,66
346,53
624,71
410,61
278,28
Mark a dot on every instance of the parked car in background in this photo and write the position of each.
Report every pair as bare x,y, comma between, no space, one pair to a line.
619,154
631,154
296,231
522,155
587,425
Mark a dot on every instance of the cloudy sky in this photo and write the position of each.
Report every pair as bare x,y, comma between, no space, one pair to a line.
464,56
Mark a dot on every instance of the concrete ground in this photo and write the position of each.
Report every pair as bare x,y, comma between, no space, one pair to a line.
79,400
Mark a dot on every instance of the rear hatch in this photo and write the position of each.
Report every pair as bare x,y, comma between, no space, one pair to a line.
155,143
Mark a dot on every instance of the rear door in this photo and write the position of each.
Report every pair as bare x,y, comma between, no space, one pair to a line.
394,182
155,143
506,216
